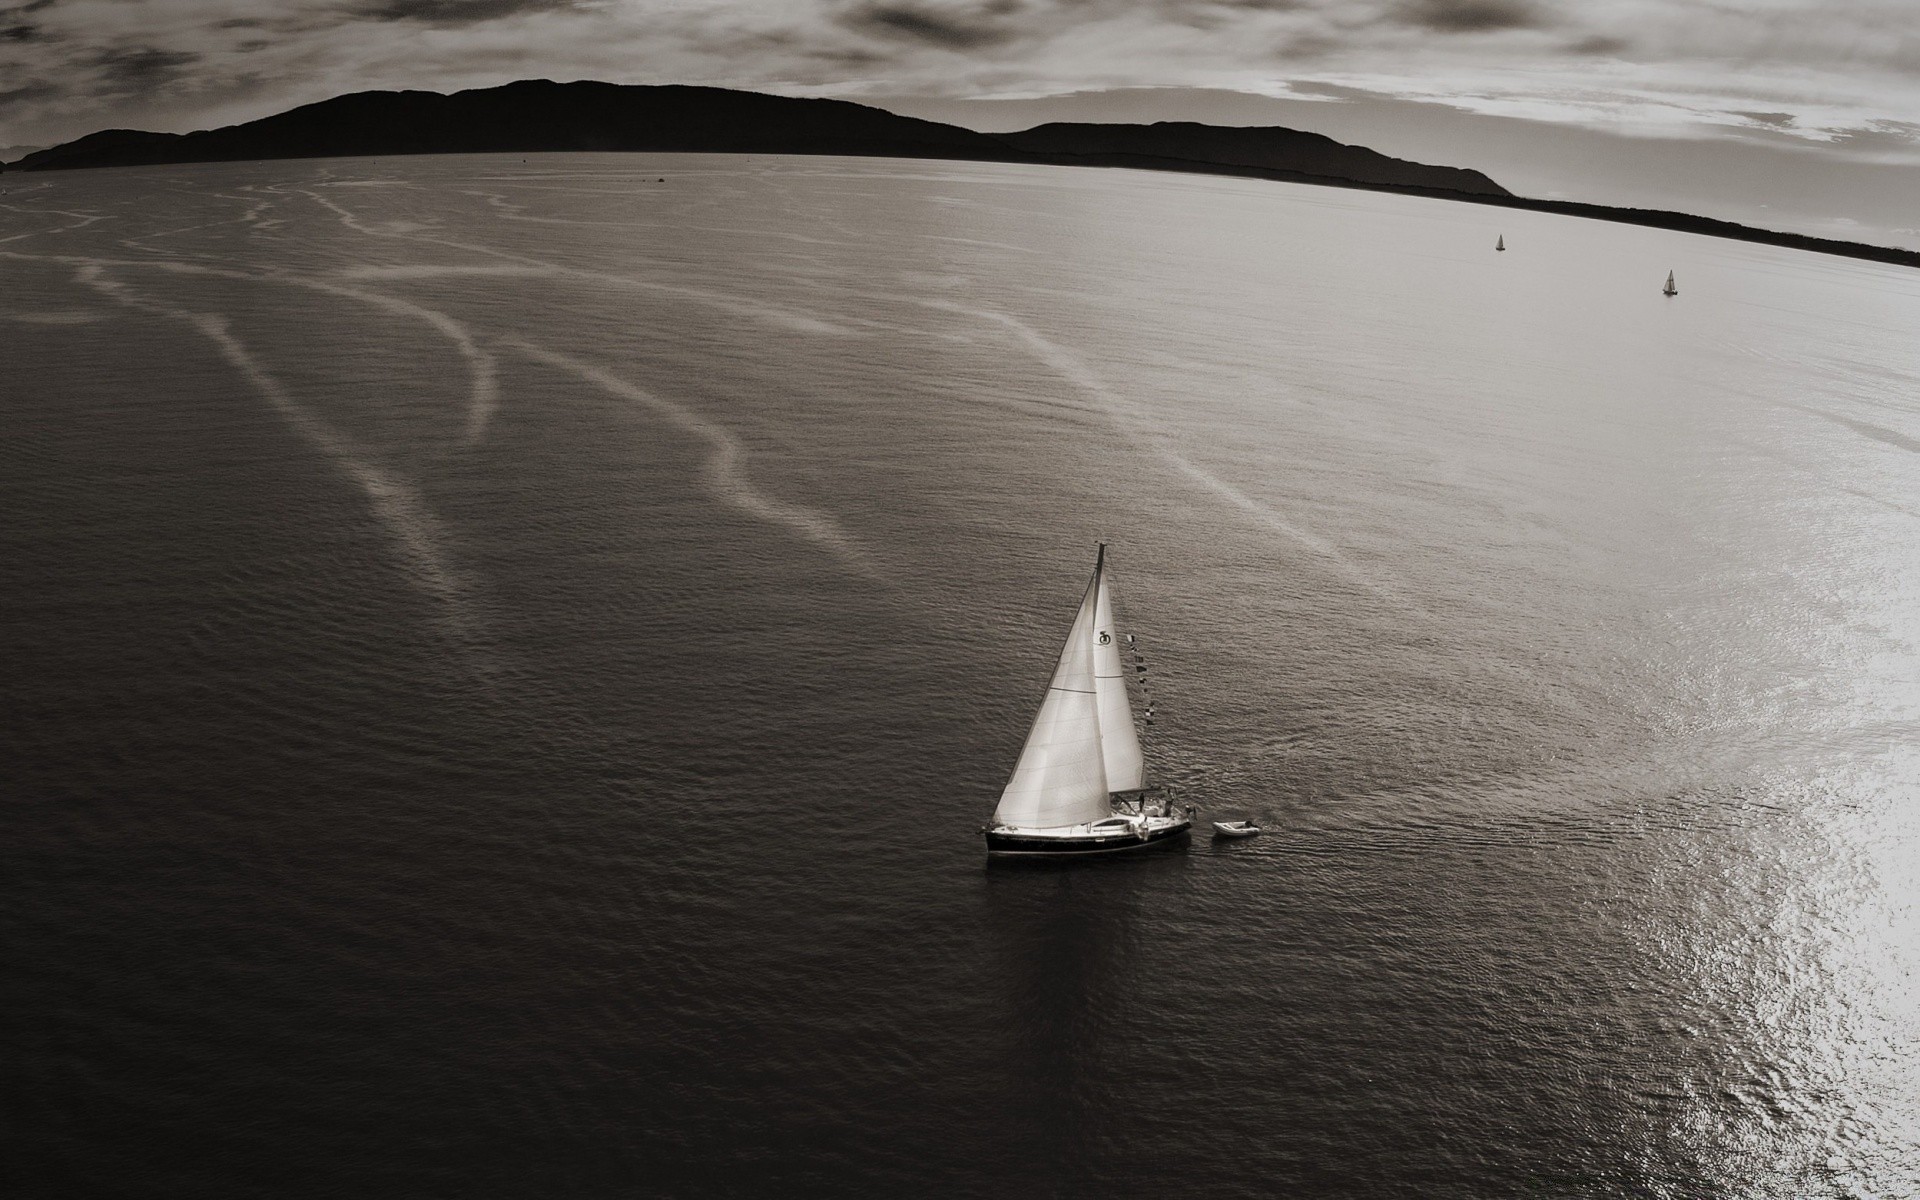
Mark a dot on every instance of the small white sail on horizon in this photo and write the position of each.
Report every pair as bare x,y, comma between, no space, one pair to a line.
1670,290
1500,243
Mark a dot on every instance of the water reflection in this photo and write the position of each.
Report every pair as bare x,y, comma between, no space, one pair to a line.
1785,923
1070,1003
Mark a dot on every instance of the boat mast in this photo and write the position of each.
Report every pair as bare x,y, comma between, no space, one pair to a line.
1119,738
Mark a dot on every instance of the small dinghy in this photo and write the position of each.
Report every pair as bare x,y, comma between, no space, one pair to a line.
1235,829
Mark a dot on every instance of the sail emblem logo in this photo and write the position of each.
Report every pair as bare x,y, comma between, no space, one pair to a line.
1105,637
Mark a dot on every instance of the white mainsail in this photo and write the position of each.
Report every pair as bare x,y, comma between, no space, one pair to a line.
1119,741
1061,778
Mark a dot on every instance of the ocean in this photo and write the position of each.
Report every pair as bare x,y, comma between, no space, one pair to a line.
506,662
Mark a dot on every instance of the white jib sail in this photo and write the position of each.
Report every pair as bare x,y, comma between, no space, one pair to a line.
1119,741
1061,778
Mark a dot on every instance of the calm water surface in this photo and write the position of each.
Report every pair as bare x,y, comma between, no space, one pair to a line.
505,661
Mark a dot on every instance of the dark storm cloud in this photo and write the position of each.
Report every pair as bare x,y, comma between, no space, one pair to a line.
139,69
458,12
1779,120
850,58
26,93
1600,45
1301,47
13,24
1210,12
953,27
1470,16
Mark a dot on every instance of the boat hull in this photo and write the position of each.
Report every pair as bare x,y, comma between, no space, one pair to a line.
1005,843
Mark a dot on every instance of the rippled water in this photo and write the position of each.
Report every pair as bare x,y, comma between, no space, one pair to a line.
506,660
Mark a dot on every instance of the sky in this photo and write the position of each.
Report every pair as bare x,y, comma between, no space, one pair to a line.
1794,114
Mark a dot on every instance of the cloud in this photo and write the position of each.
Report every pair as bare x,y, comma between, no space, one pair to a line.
26,93
138,70
14,27
1600,45
950,27
1470,16
1219,14
857,59
1331,91
458,12
1899,138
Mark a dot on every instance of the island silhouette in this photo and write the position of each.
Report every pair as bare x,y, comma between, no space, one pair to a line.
538,115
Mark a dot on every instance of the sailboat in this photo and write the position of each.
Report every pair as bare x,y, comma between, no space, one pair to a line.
1669,290
1500,243
1079,786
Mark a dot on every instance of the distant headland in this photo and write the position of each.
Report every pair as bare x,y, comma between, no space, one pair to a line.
538,115
534,116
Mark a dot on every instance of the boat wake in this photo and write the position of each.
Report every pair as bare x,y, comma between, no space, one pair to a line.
483,370
725,476
483,391
414,531
798,322
1144,432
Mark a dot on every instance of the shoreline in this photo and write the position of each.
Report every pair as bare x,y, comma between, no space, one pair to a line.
1651,218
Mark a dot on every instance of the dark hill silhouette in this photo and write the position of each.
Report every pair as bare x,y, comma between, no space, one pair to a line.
537,115
1271,149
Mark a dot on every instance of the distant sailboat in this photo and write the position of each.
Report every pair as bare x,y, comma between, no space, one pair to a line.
1079,786
1669,290
1500,243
